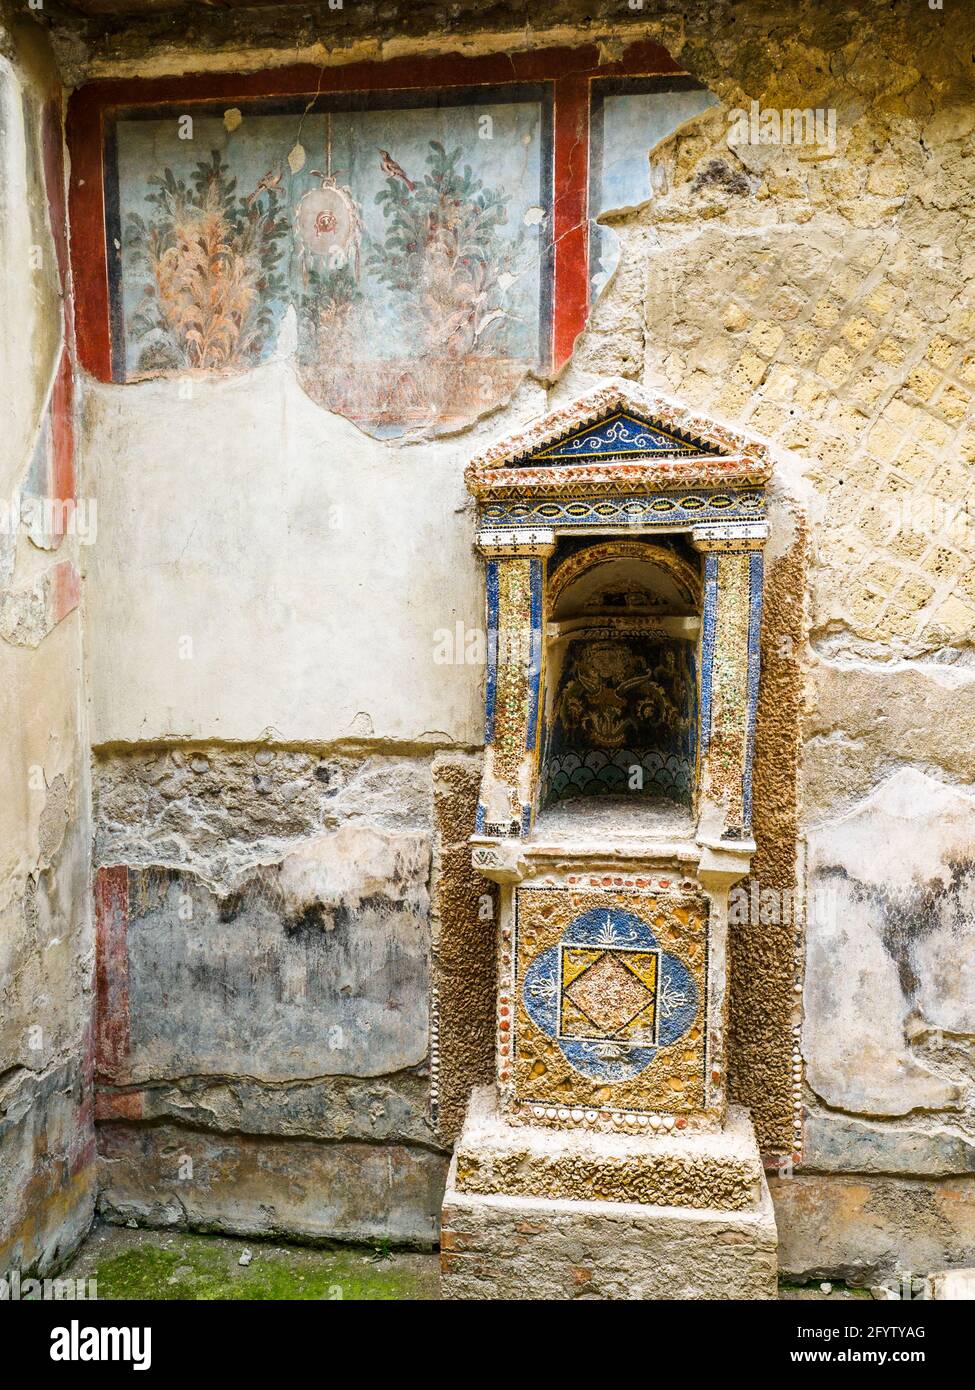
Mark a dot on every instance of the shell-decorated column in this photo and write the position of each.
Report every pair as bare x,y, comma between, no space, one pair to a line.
729,665
515,583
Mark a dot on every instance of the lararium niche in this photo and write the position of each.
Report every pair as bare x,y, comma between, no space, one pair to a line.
620,715
622,539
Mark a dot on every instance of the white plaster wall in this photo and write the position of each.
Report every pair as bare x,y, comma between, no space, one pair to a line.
309,566
46,1144
40,669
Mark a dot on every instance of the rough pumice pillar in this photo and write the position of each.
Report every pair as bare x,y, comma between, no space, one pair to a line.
622,538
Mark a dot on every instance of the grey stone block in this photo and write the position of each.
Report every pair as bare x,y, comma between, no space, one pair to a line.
509,1245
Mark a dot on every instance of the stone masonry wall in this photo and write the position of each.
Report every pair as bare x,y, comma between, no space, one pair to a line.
824,298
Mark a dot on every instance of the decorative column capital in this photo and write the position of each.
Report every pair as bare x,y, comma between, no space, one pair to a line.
501,860
724,863
742,535
498,544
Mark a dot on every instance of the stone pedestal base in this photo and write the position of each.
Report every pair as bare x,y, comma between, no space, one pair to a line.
505,1240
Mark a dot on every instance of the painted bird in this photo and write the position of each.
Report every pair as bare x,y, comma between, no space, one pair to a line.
270,180
392,170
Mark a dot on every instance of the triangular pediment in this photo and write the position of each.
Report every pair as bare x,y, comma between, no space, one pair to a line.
622,435
620,425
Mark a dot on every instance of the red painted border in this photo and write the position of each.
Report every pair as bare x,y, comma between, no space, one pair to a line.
570,70
570,290
62,436
111,971
86,218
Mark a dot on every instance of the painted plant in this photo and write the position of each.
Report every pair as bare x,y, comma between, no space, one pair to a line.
411,259
442,269
211,260
443,254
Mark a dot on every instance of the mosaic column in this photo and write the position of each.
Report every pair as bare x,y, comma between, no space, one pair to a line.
515,580
729,660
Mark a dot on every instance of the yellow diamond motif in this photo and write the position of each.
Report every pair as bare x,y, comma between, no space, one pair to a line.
608,994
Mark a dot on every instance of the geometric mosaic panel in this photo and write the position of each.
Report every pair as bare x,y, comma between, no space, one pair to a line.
611,991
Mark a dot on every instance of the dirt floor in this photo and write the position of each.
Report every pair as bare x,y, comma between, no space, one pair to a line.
150,1265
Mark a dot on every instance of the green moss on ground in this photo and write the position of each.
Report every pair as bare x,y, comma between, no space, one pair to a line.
158,1265
838,1290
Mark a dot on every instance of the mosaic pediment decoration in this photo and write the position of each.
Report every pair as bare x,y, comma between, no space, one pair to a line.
617,432
621,436
605,992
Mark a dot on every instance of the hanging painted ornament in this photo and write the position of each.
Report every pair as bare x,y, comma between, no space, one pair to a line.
328,225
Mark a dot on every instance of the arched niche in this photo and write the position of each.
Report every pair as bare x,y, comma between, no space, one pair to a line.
622,623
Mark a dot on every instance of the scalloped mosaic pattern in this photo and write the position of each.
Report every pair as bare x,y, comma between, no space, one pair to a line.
595,773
